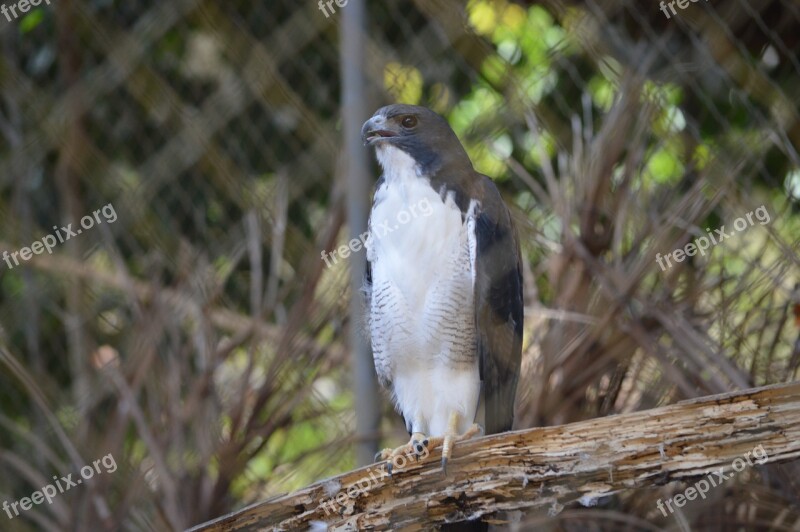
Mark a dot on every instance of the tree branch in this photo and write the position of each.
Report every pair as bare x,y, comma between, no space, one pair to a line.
548,467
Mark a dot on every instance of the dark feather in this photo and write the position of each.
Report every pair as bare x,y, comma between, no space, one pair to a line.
499,308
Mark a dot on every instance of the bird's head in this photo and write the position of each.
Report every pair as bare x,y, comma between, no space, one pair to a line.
419,132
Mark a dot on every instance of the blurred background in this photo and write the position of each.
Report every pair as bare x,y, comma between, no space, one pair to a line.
200,339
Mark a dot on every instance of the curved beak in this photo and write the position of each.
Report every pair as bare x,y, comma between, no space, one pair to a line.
375,130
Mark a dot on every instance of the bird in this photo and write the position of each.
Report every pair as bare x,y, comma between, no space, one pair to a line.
443,290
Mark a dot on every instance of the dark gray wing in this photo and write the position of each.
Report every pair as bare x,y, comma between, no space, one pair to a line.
499,308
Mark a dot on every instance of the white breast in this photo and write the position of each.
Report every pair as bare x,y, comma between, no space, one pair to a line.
422,319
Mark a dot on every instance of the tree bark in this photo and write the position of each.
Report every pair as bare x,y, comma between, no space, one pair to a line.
709,439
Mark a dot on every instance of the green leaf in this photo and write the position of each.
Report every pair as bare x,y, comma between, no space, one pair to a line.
31,20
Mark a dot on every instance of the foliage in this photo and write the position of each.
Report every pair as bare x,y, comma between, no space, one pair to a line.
200,338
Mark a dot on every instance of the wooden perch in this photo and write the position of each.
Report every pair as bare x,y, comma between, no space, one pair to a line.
548,467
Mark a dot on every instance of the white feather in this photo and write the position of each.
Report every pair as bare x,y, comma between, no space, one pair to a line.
422,320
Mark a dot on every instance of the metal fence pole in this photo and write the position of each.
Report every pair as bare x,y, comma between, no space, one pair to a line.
355,112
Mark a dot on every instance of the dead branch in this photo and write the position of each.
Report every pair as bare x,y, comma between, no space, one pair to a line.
548,467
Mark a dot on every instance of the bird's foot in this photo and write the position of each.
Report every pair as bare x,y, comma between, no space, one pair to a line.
448,441
416,447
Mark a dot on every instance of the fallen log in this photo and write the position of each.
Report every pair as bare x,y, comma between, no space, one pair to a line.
710,438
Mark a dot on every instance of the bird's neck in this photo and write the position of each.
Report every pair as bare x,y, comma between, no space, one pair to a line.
445,175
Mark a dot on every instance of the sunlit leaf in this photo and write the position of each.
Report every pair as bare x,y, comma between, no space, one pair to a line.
482,16
403,82
664,167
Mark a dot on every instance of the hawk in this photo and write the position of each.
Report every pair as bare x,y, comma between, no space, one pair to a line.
443,290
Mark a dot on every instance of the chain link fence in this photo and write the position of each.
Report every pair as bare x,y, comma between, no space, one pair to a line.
200,339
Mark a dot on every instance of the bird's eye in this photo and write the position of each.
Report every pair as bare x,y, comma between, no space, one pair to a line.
409,122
